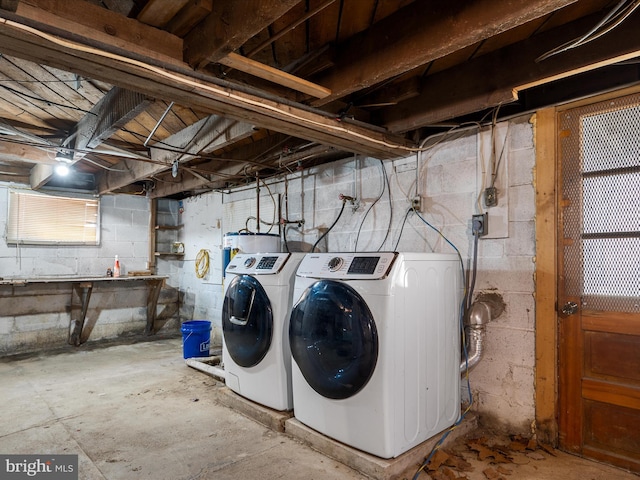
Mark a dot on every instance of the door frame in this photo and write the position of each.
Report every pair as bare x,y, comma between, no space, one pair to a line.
546,182
546,276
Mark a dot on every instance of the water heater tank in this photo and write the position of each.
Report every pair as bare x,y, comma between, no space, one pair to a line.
234,242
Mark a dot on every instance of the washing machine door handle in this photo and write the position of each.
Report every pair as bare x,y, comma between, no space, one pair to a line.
242,321
239,321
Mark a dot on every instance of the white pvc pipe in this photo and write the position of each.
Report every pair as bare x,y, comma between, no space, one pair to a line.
212,370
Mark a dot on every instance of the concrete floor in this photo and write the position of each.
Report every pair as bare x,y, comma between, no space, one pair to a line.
137,411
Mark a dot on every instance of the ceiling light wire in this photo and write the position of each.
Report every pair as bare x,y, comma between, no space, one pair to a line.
610,21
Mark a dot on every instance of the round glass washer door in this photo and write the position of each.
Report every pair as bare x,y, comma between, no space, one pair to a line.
247,321
334,339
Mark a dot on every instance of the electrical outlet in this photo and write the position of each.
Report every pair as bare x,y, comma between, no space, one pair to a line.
416,203
480,224
491,196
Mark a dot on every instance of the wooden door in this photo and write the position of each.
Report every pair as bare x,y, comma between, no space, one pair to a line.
599,281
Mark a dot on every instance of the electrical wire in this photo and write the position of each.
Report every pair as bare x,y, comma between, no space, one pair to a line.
386,178
202,263
43,100
461,316
610,21
355,248
344,202
85,159
406,215
472,283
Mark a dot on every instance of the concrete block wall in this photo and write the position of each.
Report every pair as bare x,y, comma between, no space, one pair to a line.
124,232
202,234
446,179
37,316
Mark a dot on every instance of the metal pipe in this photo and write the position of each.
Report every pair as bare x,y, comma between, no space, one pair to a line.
479,316
289,27
257,203
166,112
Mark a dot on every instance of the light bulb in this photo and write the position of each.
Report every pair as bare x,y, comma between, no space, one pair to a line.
62,169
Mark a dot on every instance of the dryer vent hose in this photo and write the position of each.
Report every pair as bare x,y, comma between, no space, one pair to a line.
479,316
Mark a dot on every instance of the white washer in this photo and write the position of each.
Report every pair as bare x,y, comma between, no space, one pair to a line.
255,321
375,340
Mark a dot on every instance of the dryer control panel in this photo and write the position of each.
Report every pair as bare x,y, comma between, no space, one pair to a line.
347,266
257,263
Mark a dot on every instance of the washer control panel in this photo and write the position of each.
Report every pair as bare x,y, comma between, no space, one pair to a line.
347,266
257,263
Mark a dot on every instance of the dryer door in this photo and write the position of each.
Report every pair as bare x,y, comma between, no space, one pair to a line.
247,321
334,340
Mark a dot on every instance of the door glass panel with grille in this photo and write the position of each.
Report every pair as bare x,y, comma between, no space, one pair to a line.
599,284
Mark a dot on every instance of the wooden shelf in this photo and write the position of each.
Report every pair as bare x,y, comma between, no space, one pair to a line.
167,254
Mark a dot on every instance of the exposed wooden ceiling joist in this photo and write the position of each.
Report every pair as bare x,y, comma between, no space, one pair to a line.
159,12
261,70
97,26
220,176
404,64
187,88
204,136
107,116
10,152
439,101
228,26
419,33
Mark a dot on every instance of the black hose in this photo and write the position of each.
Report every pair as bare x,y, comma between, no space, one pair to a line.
355,248
330,228
386,177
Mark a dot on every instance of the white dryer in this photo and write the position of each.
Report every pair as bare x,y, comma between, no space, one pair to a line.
375,340
255,322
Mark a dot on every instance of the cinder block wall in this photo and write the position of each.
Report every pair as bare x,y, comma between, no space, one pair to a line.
447,181
37,316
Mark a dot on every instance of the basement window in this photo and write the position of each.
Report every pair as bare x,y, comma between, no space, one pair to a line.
40,219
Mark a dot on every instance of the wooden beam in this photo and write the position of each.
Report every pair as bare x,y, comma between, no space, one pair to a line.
420,33
192,14
173,82
274,75
11,170
288,28
546,277
222,176
157,13
450,94
40,174
204,136
232,165
96,25
23,179
123,7
392,94
17,152
229,26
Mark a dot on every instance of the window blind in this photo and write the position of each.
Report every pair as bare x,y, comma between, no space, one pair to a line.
36,218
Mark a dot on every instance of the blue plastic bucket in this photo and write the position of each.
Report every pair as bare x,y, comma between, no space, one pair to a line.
196,337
